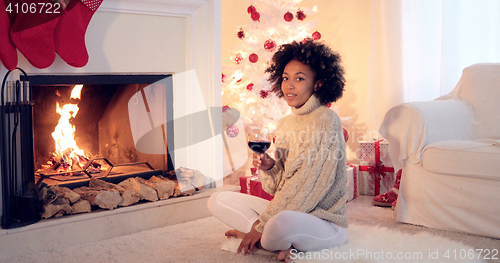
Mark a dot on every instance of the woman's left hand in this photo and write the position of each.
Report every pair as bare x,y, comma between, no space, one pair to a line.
251,238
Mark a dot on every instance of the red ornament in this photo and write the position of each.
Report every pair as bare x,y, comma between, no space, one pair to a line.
288,17
264,94
328,104
223,78
241,34
232,131
307,39
225,108
251,9
253,58
301,15
346,135
316,35
255,16
270,45
238,58
250,87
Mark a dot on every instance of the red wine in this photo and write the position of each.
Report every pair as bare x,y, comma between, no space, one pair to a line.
259,146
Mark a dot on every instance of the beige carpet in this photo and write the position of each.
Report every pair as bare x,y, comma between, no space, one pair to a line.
201,241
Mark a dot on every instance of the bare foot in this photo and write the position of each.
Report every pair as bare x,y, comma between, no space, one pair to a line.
234,233
284,255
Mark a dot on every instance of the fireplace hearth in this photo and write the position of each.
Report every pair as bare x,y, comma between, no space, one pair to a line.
101,129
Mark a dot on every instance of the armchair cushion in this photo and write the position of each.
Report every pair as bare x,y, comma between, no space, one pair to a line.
409,127
476,159
479,87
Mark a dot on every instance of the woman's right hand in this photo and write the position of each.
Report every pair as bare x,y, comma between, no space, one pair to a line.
263,161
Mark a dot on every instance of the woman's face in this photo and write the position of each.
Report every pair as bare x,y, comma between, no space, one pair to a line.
298,83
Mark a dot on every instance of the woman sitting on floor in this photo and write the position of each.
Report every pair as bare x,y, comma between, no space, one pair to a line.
308,175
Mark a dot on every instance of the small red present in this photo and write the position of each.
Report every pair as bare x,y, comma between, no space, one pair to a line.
251,185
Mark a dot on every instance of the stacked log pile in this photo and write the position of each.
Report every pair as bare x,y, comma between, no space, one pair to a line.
58,201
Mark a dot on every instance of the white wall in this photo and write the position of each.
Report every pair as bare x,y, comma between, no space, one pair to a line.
123,43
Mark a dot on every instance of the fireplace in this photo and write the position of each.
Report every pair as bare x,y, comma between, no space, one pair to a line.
102,130
143,37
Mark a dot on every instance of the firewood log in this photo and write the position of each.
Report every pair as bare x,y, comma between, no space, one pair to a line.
198,180
180,189
190,176
103,184
129,197
65,192
104,198
164,188
60,213
147,192
82,206
59,205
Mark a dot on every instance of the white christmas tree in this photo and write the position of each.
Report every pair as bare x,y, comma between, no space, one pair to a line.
245,86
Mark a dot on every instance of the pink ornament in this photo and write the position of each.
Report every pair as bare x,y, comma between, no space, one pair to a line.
288,17
255,16
253,58
232,131
223,78
316,35
270,45
238,58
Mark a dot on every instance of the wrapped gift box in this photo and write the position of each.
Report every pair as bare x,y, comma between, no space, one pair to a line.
251,185
352,181
376,174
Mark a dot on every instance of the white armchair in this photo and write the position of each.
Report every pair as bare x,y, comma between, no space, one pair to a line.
449,150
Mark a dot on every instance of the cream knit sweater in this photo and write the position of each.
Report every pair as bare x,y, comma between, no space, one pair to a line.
309,174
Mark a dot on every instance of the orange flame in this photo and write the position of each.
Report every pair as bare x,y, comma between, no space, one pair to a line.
64,133
75,93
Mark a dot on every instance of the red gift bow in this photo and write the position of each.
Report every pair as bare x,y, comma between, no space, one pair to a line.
378,170
355,181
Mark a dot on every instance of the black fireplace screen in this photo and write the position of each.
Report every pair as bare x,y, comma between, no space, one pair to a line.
29,115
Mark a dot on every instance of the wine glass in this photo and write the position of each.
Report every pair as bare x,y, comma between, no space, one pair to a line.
259,139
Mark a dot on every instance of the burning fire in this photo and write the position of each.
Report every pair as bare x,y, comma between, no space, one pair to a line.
64,134
67,156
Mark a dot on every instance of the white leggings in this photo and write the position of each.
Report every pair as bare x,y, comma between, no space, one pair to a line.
303,231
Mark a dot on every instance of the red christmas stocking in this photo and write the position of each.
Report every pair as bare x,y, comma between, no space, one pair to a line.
8,52
69,36
33,32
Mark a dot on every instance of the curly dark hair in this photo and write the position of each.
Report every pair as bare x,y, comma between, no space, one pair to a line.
323,61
